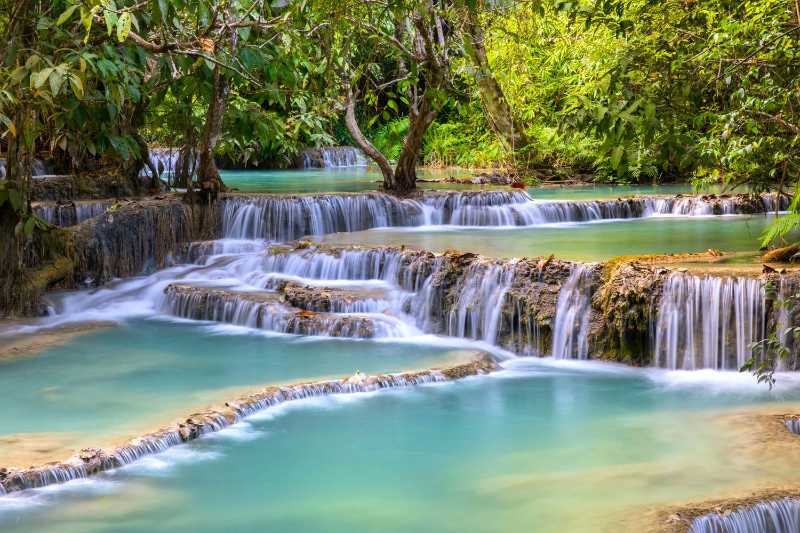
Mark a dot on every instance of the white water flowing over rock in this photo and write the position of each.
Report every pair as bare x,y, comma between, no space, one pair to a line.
38,168
704,205
72,213
780,516
571,329
285,218
793,425
481,293
708,322
268,312
164,160
333,157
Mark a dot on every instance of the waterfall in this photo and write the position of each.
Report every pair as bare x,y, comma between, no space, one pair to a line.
333,157
708,322
267,311
480,297
38,168
406,268
164,160
779,516
286,218
135,239
282,218
71,213
570,332
793,425
715,205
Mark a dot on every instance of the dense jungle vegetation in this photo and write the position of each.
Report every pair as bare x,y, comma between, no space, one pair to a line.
612,90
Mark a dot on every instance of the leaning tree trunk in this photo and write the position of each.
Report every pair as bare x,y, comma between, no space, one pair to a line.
367,147
501,117
208,175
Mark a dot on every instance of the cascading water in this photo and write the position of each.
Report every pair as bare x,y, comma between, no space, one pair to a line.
38,168
571,329
286,218
708,322
711,205
333,157
480,297
165,161
70,214
780,516
267,311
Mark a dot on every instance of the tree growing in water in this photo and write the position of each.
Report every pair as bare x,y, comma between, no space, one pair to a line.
399,52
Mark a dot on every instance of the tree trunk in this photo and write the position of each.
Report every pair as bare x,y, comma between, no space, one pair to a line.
208,174
366,146
419,120
15,296
494,101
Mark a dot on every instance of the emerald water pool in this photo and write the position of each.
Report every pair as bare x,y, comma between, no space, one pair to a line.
539,447
542,445
359,179
125,380
596,241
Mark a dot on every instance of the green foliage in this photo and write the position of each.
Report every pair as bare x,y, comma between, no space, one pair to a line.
388,138
768,353
27,222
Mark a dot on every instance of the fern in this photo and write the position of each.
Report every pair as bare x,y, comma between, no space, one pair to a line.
780,228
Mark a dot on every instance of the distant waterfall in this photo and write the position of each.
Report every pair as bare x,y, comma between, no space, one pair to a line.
708,322
38,168
780,516
165,161
72,213
333,157
715,205
571,328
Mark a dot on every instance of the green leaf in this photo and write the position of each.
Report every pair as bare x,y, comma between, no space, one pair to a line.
39,79
15,197
19,74
28,228
65,16
111,21
123,27
56,79
77,86
616,156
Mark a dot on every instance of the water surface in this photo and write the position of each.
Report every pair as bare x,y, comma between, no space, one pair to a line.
133,378
597,241
359,179
536,449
